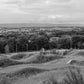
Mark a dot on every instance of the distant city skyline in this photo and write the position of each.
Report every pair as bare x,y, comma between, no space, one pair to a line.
42,11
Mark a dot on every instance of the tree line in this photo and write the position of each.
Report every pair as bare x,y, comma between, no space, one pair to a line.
19,42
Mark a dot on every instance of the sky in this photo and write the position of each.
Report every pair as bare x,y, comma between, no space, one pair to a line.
42,11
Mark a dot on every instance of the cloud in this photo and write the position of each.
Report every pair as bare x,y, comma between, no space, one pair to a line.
41,10
31,4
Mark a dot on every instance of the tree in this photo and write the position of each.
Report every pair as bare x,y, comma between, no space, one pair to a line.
54,42
66,41
77,40
22,43
11,42
38,42
2,44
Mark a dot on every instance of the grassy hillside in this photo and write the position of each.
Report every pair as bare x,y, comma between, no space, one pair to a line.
20,68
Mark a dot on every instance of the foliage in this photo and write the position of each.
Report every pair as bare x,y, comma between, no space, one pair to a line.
19,41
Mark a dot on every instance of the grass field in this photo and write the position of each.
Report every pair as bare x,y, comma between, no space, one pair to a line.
33,67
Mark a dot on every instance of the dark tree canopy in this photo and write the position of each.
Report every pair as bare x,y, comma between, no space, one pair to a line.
18,41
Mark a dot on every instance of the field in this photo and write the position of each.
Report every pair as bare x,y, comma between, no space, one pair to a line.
34,54
26,68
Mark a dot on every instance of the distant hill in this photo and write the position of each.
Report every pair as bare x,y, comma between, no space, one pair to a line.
21,25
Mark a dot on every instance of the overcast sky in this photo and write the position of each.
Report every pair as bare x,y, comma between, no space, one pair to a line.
42,11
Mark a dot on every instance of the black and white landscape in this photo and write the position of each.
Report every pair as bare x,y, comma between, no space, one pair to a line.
41,42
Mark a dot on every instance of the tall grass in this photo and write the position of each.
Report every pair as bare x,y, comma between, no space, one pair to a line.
50,81
5,80
74,76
